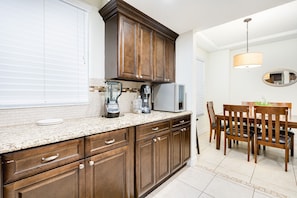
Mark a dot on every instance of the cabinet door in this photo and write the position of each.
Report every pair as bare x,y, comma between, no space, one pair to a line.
186,152
170,61
145,169
66,181
108,174
128,37
176,151
159,57
145,58
162,156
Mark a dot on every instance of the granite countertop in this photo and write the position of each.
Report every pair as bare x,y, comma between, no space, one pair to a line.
14,138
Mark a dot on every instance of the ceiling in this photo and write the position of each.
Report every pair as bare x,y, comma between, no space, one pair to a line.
218,24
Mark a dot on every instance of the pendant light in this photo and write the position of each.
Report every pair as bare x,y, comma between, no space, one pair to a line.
248,59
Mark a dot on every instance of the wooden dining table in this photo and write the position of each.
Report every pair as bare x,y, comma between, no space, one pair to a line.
292,123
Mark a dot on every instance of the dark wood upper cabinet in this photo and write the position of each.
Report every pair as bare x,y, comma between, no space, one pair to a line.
136,46
170,61
159,57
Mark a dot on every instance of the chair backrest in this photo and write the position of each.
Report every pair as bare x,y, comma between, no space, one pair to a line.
237,118
211,114
251,106
283,104
272,120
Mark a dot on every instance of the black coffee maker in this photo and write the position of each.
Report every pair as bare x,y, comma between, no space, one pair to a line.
145,91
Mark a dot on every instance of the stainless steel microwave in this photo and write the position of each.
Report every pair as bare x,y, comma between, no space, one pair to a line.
169,97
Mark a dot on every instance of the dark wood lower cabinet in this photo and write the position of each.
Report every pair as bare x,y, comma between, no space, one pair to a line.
152,160
186,141
124,163
176,151
107,175
162,156
181,141
145,165
66,181
1,178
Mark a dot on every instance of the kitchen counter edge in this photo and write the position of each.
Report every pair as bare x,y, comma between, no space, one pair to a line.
14,138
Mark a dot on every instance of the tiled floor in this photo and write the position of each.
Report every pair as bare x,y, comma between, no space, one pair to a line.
216,175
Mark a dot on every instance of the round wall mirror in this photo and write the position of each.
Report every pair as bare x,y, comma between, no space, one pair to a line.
280,78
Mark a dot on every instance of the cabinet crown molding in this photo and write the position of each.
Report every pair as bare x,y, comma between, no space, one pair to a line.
115,7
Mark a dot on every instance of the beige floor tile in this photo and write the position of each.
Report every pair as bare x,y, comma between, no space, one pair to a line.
231,175
178,189
196,177
221,187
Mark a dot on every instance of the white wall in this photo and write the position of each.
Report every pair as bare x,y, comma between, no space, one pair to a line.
185,74
96,42
225,84
216,84
247,84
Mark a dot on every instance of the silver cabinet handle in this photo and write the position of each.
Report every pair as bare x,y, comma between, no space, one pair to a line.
110,141
155,140
182,121
158,138
49,159
183,129
155,129
91,163
81,166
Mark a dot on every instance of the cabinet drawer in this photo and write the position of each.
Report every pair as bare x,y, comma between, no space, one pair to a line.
21,164
106,141
181,121
145,130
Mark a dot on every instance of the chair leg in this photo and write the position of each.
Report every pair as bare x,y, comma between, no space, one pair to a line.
286,159
292,145
210,134
225,145
253,145
255,151
249,150
197,142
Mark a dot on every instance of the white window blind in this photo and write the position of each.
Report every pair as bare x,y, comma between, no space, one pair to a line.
43,53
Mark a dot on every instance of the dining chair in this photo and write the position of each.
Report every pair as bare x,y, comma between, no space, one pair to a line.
273,120
290,132
237,127
212,120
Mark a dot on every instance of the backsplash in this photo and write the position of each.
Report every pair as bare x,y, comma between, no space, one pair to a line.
94,108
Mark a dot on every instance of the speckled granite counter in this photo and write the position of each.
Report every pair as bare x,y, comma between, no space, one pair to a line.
19,137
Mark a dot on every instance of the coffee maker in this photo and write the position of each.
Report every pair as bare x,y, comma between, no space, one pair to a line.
145,92
112,93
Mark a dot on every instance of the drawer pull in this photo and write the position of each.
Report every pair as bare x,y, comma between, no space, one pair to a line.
91,163
110,141
155,129
182,121
155,140
49,159
183,129
158,138
81,166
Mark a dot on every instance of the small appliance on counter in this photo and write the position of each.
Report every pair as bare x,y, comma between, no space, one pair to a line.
169,97
137,105
112,94
145,91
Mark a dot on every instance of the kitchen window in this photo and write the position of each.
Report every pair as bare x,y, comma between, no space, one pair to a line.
43,53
